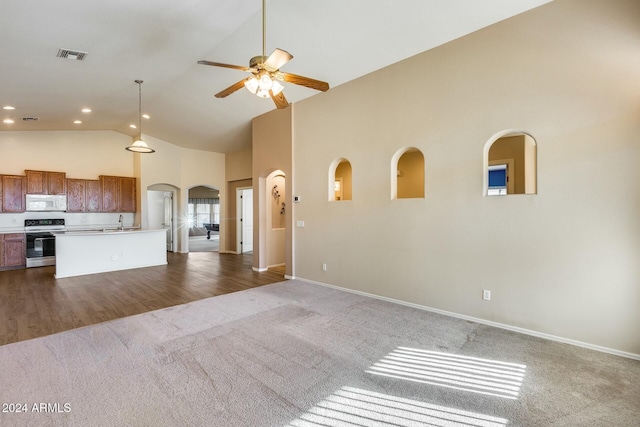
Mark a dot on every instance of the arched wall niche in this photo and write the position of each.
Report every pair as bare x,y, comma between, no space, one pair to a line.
340,180
407,174
510,164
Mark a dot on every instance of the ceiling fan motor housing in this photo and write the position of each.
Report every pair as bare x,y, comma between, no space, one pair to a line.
257,62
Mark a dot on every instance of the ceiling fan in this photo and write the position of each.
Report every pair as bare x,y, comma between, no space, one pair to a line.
266,75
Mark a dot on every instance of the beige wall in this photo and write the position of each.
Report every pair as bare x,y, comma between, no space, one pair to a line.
562,262
238,166
81,154
272,150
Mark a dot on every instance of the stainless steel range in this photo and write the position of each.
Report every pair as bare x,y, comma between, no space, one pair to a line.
41,242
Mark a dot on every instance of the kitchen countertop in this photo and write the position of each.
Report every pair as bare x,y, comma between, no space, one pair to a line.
11,230
95,231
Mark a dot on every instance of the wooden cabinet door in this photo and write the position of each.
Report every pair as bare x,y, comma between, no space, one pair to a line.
93,195
56,183
14,250
13,190
76,195
36,182
109,193
126,194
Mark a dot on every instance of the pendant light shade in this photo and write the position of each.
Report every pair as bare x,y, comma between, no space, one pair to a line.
139,146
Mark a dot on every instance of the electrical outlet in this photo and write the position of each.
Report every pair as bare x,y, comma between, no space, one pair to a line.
486,294
324,267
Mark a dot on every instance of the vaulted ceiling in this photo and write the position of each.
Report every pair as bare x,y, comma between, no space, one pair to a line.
160,41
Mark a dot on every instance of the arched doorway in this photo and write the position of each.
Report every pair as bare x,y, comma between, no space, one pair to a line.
161,211
203,219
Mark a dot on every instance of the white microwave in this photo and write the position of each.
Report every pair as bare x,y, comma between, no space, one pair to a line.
46,203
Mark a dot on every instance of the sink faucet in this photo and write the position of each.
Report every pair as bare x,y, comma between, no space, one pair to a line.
121,222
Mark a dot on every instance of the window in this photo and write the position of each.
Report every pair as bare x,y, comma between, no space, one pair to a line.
497,180
203,211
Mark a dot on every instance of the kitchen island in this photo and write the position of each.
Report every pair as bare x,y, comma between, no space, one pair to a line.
100,251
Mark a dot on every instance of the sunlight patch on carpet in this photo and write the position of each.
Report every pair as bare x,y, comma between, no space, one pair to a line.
352,406
465,373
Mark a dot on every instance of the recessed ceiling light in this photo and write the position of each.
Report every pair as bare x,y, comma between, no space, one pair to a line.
8,121
133,126
145,116
77,122
86,110
8,107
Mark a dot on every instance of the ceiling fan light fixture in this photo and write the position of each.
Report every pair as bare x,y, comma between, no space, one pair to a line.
263,86
139,146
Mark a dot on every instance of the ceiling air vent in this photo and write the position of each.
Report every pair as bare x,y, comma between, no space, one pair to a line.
29,119
71,54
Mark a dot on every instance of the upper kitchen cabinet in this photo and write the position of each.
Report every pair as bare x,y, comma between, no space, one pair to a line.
76,195
93,195
126,194
109,188
13,191
44,182
118,193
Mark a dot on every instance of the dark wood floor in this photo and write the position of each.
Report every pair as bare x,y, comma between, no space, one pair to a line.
33,303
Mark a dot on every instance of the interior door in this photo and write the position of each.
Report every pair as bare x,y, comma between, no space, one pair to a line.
245,220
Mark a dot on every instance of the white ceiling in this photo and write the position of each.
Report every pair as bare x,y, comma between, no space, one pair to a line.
160,41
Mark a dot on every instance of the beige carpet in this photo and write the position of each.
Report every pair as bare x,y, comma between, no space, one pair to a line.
295,354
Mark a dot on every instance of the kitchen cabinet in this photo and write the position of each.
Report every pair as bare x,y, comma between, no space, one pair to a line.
76,195
93,195
12,250
84,195
44,182
109,186
118,193
126,194
13,191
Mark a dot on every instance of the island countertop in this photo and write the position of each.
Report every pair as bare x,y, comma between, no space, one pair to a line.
80,252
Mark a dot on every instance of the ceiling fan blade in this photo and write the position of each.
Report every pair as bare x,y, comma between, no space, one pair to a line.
277,59
219,64
228,91
279,99
305,81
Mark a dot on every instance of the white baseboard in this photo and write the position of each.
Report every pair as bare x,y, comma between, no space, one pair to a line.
286,276
484,322
259,270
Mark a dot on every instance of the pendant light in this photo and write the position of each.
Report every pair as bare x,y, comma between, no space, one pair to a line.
139,146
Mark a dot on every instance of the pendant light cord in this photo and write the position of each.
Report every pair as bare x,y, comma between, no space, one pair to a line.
140,107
